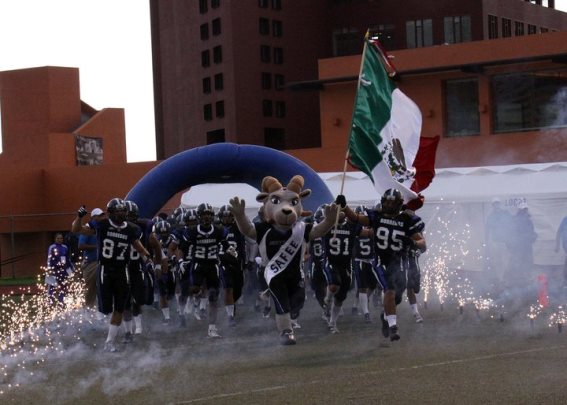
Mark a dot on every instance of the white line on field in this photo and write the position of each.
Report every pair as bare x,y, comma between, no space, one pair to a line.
367,373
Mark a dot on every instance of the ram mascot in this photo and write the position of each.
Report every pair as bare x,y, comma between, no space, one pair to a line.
281,240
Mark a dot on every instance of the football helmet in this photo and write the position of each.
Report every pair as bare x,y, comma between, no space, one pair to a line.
392,201
205,213
116,209
319,215
132,210
361,209
190,217
161,228
225,215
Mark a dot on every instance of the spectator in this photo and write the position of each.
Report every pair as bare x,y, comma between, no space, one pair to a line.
561,239
88,245
520,245
497,232
59,268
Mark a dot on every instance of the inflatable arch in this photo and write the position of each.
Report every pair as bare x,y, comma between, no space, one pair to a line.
223,163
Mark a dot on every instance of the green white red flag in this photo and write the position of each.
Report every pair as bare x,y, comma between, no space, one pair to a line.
386,126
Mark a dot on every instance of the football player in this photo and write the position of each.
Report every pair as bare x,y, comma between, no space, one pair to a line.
316,265
164,275
394,231
115,236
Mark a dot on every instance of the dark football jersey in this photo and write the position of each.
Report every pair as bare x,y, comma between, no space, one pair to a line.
114,241
339,243
234,239
204,244
270,240
317,250
388,233
364,249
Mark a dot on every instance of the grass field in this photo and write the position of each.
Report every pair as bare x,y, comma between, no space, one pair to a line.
466,358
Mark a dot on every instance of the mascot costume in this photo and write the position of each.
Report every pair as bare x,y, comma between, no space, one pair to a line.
281,239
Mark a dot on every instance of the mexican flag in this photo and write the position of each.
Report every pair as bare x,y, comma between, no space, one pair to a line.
386,126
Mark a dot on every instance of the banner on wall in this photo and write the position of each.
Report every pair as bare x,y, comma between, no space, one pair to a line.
88,150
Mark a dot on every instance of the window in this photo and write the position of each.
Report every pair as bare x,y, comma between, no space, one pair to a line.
461,106
215,3
207,85
278,56
347,43
280,109
529,101
219,81
419,33
277,28
217,54
203,6
274,138
492,27
204,32
277,4
208,112
215,136
205,58
266,81
543,29
279,82
519,28
457,29
264,26
219,107
265,53
386,34
532,29
506,27
263,3
216,27
267,108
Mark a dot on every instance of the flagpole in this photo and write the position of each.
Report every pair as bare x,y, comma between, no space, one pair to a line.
347,148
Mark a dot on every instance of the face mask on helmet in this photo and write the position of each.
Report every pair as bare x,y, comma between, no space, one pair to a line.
392,201
116,209
205,214
162,229
132,210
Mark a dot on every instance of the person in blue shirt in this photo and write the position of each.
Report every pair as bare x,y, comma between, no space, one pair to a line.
59,268
88,245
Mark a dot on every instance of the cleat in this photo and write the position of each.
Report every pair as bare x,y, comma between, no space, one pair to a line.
197,314
231,321
266,312
138,330
367,318
354,311
418,318
394,333
295,325
385,326
128,338
165,321
110,347
333,329
287,337
213,333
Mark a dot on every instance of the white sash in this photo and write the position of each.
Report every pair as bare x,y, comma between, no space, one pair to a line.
287,252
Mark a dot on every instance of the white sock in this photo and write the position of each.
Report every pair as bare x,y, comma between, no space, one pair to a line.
156,297
165,312
329,296
188,307
203,303
112,333
128,326
212,326
335,310
363,301
391,320
414,309
138,322
229,310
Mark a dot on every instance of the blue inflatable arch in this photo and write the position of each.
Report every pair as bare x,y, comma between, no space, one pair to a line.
223,163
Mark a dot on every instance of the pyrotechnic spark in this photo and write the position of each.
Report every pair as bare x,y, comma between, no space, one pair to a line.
32,325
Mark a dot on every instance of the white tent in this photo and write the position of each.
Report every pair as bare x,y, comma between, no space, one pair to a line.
456,203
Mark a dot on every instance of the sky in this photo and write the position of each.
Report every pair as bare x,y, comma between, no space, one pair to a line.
108,40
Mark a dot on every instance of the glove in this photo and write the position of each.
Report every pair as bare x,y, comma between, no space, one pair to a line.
408,242
81,212
341,200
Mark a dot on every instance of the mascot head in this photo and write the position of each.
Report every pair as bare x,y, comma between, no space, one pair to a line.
282,205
